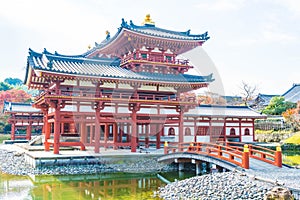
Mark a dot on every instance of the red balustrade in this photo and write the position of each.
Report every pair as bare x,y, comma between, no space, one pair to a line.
236,153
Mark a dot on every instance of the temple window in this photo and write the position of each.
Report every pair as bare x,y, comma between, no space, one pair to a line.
232,131
247,131
187,131
171,131
144,56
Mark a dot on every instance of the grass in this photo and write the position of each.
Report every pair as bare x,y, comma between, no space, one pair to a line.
295,139
4,137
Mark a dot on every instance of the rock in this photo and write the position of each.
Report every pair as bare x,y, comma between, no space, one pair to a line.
278,193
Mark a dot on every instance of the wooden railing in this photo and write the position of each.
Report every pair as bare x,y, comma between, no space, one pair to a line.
260,153
236,153
218,151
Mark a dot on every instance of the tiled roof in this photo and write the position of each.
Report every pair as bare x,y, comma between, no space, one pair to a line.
264,99
101,68
293,94
224,111
150,30
19,107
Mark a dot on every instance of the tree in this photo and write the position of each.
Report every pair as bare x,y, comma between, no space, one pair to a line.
14,95
248,92
292,117
13,81
277,106
4,86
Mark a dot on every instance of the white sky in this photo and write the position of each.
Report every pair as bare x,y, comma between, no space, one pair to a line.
255,41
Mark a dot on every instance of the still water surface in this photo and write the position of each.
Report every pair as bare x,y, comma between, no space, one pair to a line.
109,186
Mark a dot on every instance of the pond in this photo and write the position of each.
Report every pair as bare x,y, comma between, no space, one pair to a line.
104,186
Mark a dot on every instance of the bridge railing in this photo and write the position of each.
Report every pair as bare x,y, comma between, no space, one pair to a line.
260,153
227,153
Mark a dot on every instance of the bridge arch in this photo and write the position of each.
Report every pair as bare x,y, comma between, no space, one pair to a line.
199,157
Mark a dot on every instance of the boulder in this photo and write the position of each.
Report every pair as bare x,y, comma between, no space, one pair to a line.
279,193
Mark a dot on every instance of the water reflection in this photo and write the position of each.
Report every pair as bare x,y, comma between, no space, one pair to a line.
102,186
106,186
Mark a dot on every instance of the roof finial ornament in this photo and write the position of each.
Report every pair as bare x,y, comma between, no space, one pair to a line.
148,20
107,35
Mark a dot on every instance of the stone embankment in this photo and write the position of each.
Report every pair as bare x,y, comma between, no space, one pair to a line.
14,163
227,185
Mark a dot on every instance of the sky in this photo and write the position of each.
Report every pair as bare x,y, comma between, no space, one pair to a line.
251,41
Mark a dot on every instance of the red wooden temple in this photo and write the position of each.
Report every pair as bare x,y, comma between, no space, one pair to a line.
24,120
118,94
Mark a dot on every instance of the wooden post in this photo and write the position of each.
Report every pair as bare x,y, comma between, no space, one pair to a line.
133,131
28,131
13,131
147,135
56,130
83,132
97,132
180,127
158,134
115,135
278,157
166,147
245,158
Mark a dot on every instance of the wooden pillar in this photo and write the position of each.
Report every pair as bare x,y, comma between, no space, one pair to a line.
133,131
105,134
56,130
97,132
115,135
128,132
158,134
240,129
13,131
253,131
47,133
180,127
28,131
83,132
147,135
210,130
195,129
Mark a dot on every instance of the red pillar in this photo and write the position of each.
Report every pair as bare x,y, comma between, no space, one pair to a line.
13,131
83,132
147,135
180,127
46,132
28,131
245,158
115,135
278,156
158,134
133,131
56,130
97,132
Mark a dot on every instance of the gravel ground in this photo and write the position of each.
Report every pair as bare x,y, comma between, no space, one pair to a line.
14,163
227,185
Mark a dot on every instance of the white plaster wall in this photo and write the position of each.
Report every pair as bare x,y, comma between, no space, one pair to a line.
148,111
203,139
232,124
202,124
188,139
247,138
123,110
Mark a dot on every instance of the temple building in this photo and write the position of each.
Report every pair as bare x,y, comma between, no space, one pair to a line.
124,92
24,119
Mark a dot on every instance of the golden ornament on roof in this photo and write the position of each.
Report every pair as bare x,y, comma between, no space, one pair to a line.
148,20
